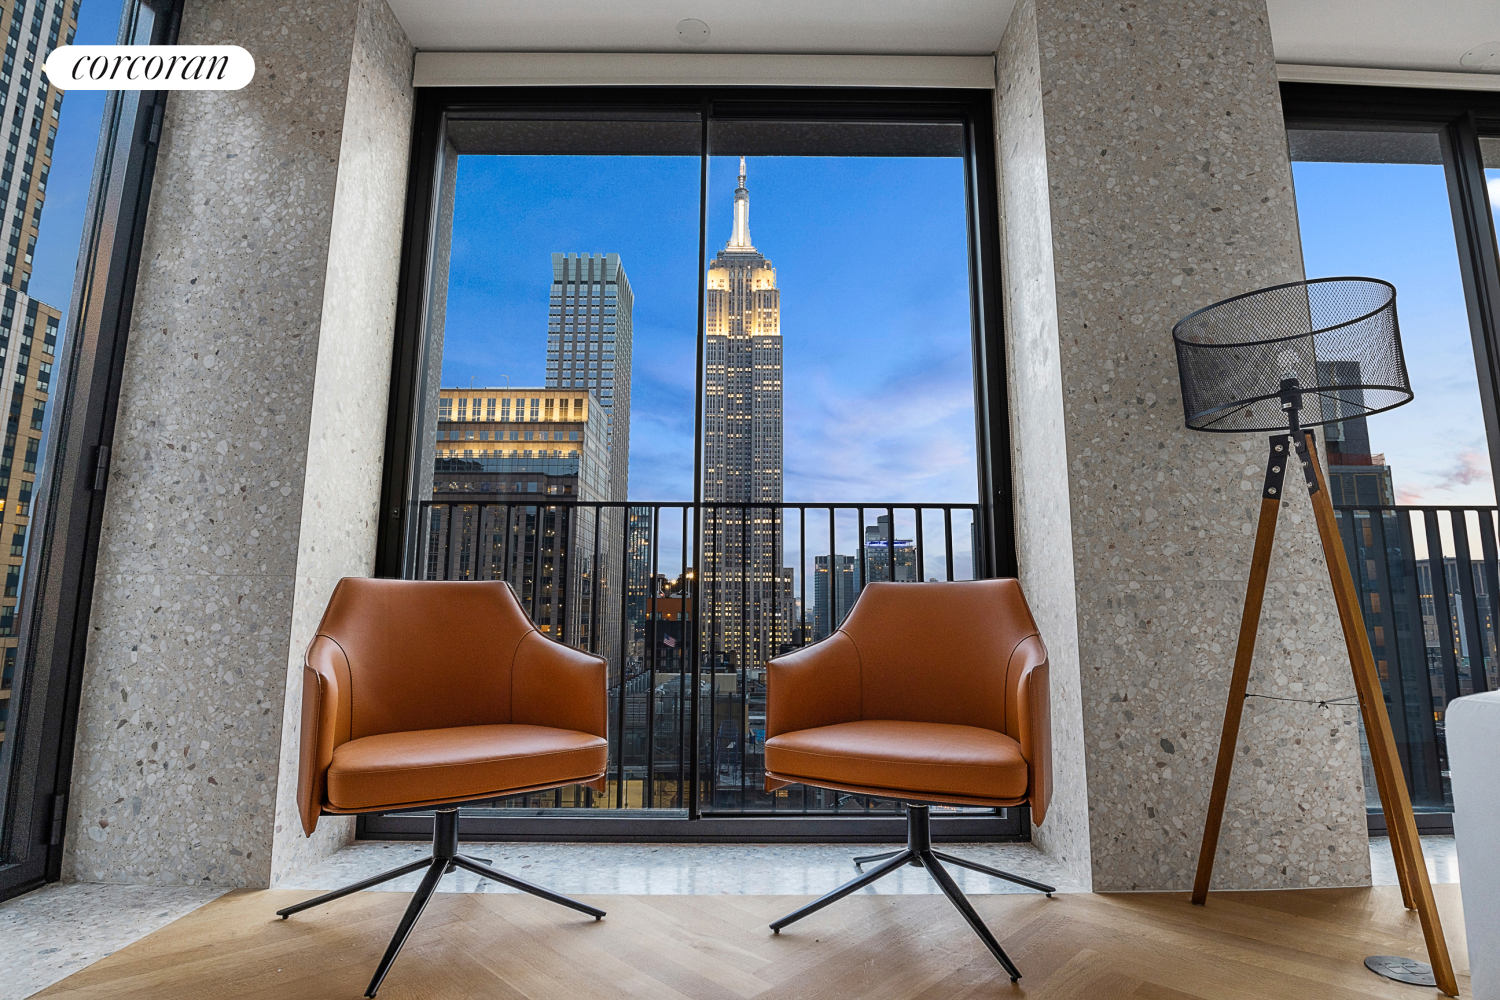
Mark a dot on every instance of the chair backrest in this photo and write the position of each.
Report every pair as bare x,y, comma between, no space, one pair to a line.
421,654
942,652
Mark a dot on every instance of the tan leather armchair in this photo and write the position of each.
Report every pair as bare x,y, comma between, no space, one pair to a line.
931,693
422,694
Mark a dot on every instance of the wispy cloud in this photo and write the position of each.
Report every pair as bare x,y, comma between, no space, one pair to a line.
1494,191
1468,468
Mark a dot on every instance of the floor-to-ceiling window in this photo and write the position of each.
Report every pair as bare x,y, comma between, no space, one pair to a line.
1391,185
689,370
74,181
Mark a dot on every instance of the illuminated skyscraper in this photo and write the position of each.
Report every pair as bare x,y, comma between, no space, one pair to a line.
748,592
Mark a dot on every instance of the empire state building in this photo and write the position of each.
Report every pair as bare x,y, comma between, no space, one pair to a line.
747,590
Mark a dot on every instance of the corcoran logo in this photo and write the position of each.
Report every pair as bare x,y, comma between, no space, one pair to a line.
150,67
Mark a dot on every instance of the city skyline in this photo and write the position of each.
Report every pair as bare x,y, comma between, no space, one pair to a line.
877,397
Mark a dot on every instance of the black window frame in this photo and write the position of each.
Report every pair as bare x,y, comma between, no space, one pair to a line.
974,110
36,759
1458,118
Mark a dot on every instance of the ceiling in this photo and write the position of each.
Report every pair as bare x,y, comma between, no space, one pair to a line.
1387,34
1391,34
929,27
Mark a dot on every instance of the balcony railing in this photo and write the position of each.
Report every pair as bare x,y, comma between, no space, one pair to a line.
686,602
1433,633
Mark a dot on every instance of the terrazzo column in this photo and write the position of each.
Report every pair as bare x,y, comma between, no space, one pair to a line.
247,456
1145,174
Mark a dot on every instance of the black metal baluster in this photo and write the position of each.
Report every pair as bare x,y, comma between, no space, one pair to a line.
802,573
776,557
1472,631
1390,656
563,574
1491,586
890,548
648,784
695,707
831,605
747,622
1421,729
506,569
917,512
538,530
424,541
482,536
714,620
624,647
448,562
948,539
682,618
1442,610
859,540
594,584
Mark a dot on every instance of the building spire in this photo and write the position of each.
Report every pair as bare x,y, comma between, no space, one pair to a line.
740,240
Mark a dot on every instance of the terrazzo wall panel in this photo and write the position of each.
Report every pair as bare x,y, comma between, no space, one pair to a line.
180,732
346,440
1167,187
1044,534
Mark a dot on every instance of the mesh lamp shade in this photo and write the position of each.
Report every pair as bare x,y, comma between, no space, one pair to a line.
1336,336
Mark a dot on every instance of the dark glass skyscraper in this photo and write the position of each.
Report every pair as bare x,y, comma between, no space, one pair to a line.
589,346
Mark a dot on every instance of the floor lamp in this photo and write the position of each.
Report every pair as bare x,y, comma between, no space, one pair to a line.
1286,359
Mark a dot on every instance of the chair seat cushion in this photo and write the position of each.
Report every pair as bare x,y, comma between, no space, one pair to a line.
931,758
465,762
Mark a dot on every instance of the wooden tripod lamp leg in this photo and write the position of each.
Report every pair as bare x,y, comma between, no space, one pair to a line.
1393,795
1244,652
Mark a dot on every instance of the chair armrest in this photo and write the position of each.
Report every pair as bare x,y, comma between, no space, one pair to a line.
1033,701
558,686
327,692
818,685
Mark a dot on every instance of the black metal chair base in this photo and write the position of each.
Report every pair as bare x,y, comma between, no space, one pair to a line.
445,858
918,852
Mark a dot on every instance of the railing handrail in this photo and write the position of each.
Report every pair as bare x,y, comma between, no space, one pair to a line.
1413,507
548,500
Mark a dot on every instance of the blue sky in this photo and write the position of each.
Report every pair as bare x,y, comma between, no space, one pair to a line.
61,228
1392,221
871,259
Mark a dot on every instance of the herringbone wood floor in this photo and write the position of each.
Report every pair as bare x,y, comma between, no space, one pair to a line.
1273,945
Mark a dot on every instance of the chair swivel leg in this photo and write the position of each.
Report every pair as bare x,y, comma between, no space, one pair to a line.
901,858
957,898
996,873
329,897
408,921
918,851
476,866
866,859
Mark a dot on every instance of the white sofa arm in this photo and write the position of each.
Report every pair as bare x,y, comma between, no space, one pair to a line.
1473,730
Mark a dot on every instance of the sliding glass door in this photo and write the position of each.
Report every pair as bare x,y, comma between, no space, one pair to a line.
688,369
